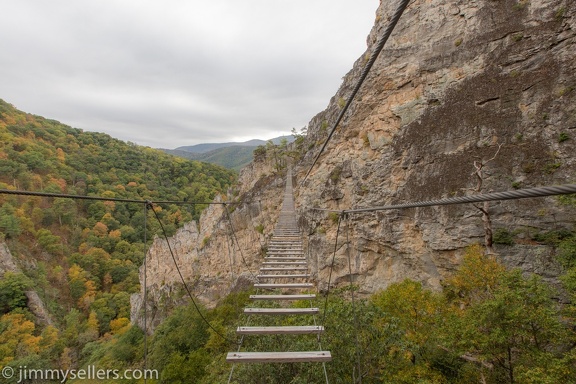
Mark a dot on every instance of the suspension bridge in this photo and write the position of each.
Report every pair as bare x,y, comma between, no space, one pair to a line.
285,269
285,272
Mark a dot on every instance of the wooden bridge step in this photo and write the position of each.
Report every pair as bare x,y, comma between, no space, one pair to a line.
285,330
287,285
278,263
285,252
279,357
296,276
283,269
283,297
281,311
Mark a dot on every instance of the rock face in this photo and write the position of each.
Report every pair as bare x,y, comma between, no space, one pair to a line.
35,304
218,255
458,82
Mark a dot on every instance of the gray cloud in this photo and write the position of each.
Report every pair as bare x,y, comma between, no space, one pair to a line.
179,72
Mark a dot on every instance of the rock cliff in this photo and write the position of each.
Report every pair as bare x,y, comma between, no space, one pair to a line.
458,82
35,303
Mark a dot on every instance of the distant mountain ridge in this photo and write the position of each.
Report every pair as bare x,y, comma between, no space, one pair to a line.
207,147
231,155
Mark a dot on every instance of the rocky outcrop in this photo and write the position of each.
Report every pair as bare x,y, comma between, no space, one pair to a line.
35,304
218,255
458,82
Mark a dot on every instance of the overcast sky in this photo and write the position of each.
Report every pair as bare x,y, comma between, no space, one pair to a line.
168,73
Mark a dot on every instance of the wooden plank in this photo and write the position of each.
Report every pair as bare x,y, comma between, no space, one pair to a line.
285,249
297,276
280,249
286,285
281,311
278,263
285,330
283,297
279,357
283,269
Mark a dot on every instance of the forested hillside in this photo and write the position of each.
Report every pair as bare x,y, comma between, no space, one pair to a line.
81,256
233,157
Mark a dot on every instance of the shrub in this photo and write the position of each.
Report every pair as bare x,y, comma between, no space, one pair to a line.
563,137
503,236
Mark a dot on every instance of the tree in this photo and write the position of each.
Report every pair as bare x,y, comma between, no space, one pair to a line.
65,209
17,338
49,242
9,222
13,287
506,323
418,314
485,207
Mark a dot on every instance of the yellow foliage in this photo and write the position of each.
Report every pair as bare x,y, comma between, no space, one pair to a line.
108,194
49,337
76,272
92,322
26,222
17,337
119,326
477,276
417,308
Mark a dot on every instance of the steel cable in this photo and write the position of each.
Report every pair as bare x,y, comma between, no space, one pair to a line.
495,196
230,341
100,198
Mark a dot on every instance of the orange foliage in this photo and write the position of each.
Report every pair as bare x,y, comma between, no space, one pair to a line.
17,337
60,155
110,205
61,183
100,229
85,301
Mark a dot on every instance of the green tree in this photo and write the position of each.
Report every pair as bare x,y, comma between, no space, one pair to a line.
13,287
419,314
9,222
50,242
507,323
